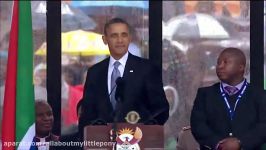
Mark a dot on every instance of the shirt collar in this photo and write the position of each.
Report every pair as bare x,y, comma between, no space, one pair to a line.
46,138
238,86
122,60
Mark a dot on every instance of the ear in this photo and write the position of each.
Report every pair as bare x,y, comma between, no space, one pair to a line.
242,67
104,40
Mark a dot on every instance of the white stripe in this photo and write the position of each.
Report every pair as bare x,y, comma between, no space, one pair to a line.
25,143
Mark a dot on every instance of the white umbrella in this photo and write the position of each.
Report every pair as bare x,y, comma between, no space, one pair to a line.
72,18
194,26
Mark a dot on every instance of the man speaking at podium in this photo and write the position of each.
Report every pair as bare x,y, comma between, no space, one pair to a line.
122,84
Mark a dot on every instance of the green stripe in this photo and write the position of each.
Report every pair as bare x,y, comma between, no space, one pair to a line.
25,111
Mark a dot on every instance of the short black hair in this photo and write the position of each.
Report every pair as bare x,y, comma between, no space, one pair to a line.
113,21
41,102
236,52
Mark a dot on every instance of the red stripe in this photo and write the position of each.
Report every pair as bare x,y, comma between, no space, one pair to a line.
8,124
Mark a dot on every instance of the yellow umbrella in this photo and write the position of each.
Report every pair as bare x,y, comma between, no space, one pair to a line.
79,42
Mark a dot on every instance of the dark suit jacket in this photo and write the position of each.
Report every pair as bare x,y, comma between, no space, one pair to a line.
143,92
210,121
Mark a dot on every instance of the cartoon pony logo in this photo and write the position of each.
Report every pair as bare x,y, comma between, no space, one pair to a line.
128,140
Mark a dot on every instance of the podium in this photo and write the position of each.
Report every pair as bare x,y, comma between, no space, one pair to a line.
99,137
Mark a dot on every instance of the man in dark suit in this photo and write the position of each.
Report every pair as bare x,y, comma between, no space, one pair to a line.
140,89
229,115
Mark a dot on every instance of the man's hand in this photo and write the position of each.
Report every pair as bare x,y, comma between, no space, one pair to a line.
230,143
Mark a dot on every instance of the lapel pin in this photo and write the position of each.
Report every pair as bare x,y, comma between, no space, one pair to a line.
130,70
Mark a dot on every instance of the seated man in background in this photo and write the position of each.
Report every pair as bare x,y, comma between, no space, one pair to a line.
44,125
230,115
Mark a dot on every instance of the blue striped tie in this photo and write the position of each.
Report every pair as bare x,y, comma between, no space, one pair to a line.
114,76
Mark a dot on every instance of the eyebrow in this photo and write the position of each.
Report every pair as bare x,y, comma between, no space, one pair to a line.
123,33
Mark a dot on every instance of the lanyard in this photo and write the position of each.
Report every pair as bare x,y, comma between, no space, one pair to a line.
232,110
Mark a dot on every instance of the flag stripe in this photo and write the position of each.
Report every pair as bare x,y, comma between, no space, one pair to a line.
25,143
8,122
25,112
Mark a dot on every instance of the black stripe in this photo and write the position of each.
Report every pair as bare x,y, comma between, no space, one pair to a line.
54,61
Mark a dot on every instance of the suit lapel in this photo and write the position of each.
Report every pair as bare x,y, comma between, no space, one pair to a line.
104,77
129,68
244,99
224,108
220,102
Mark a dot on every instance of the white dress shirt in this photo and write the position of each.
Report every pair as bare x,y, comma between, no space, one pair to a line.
121,68
238,86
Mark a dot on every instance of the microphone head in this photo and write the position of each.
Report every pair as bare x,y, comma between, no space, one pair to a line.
119,89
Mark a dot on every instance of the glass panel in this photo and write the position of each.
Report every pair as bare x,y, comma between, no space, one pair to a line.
38,9
264,45
39,36
83,19
194,33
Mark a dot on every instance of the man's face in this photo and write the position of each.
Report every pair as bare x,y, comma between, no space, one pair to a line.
40,78
118,38
44,119
229,68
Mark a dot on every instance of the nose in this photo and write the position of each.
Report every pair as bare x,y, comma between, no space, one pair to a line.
47,117
120,39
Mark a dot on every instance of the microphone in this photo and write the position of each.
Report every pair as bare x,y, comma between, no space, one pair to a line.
118,82
98,122
119,94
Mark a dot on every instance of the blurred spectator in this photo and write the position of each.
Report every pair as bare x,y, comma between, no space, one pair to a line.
40,81
72,73
40,75
73,136
225,11
70,98
185,71
3,65
172,9
169,126
83,75
176,67
72,92
197,59
39,84
206,7
245,10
